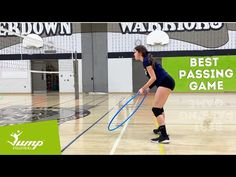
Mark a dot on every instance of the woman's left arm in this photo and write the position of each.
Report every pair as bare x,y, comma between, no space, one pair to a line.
152,79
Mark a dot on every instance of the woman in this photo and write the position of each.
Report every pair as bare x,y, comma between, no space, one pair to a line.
165,84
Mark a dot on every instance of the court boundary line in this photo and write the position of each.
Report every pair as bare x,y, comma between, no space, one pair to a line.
119,138
78,136
121,133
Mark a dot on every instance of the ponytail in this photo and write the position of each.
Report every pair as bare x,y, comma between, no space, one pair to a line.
152,60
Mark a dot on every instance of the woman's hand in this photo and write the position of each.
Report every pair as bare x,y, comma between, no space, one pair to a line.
141,90
147,90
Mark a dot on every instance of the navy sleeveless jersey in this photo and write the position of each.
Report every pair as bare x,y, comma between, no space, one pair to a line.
159,71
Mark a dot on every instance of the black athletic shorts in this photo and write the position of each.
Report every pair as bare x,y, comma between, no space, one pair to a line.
168,82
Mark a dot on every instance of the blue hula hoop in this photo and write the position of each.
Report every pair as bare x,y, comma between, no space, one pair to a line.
133,97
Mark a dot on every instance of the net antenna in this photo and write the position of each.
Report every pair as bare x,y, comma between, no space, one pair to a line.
35,41
157,37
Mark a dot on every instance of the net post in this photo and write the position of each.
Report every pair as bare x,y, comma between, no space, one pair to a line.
76,75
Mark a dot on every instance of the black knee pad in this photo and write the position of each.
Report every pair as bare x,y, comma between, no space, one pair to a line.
157,111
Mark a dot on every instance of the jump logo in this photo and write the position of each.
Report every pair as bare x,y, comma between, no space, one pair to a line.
23,144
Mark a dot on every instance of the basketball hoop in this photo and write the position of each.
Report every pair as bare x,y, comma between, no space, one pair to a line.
157,37
32,41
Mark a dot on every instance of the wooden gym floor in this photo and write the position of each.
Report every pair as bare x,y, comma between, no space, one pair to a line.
197,123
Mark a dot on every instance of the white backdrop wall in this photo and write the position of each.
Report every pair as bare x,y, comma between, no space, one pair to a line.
13,79
66,76
120,75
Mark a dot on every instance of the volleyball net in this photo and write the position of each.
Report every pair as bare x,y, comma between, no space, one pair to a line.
19,50
26,56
